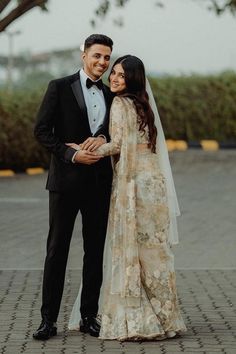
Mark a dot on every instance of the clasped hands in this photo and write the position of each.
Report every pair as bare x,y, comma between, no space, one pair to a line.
87,150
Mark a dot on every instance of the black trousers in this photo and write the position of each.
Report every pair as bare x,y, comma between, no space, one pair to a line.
92,200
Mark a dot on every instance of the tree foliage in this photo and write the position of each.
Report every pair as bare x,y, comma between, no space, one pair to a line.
218,6
10,10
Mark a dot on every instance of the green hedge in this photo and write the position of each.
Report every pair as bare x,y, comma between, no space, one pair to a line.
18,147
191,108
197,107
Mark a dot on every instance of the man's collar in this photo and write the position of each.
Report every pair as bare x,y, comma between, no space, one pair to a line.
84,77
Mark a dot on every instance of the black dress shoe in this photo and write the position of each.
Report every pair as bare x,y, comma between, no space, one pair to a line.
45,331
90,325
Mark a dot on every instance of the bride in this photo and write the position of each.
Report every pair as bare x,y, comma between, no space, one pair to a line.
138,297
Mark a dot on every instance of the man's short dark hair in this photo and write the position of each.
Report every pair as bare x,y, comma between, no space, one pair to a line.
98,39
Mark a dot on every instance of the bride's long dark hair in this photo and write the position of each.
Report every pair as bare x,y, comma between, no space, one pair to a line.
135,80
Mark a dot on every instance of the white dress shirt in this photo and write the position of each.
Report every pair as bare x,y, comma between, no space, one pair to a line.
95,103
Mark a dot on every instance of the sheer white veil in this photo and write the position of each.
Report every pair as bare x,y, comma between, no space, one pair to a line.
75,316
165,167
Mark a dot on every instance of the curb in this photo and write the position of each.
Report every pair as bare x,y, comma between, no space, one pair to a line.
35,171
6,173
172,145
206,145
29,171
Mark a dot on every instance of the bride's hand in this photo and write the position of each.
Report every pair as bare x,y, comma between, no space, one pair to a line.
92,144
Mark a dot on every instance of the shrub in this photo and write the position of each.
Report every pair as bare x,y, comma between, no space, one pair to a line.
191,108
18,148
197,107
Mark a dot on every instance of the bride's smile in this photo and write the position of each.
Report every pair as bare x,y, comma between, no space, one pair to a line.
117,79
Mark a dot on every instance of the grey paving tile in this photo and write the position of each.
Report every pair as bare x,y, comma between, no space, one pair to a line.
207,196
208,329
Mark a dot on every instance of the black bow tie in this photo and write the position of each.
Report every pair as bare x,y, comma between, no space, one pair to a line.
90,83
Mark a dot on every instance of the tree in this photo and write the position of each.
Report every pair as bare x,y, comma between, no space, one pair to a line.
17,8
12,9
218,6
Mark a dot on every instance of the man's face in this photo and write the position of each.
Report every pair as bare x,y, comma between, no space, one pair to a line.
96,60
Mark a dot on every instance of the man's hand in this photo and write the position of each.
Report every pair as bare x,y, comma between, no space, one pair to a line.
91,144
83,156
86,157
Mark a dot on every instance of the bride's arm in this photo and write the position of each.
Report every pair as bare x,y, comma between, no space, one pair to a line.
116,129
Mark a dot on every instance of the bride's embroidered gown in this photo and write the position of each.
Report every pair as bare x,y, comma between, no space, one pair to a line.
139,299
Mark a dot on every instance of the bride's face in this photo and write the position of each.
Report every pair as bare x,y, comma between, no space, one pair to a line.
117,79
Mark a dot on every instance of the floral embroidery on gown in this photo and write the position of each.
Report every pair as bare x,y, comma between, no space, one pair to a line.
139,299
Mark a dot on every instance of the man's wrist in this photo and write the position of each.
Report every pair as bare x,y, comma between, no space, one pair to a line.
102,136
73,157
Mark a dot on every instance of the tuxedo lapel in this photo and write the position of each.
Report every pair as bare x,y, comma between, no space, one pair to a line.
78,93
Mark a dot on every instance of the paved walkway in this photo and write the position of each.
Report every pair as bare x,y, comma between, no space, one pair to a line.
206,301
205,263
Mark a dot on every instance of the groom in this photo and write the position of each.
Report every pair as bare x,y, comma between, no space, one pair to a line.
76,109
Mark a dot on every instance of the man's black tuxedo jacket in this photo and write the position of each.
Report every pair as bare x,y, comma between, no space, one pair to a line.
62,118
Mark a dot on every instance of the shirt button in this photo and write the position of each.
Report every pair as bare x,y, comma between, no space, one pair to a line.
94,106
94,120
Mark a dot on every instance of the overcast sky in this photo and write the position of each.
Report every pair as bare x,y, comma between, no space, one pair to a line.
183,37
